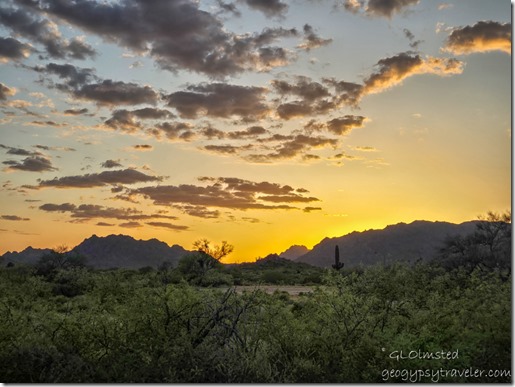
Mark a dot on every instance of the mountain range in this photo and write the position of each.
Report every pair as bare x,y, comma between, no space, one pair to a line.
419,240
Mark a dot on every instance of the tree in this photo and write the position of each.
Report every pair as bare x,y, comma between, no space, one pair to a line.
217,252
488,247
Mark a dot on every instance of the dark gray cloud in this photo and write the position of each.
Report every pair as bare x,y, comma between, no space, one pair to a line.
127,121
270,8
199,211
177,34
12,49
229,8
111,164
302,87
173,130
73,76
64,207
90,180
167,225
76,112
113,93
315,98
19,151
232,193
312,40
345,124
219,100
292,146
14,218
31,164
380,8
310,209
481,37
78,82
104,224
85,212
413,43
25,23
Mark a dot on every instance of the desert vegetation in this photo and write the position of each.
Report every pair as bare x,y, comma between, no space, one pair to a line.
61,321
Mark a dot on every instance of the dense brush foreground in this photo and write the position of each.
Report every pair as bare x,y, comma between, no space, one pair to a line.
79,325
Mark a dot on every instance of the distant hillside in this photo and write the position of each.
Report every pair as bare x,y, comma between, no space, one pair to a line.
294,252
127,252
112,251
28,256
400,242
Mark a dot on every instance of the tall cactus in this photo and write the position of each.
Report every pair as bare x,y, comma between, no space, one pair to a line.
337,264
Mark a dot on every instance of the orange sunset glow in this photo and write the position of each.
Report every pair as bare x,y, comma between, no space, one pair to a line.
266,124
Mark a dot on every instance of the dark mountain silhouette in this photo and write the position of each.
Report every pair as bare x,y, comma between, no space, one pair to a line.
127,252
29,256
419,240
294,252
113,251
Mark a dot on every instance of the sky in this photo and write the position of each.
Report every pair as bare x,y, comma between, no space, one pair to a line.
263,123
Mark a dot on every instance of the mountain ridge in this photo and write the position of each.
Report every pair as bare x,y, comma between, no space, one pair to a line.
418,240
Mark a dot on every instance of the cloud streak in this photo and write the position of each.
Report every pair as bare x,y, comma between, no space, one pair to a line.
91,180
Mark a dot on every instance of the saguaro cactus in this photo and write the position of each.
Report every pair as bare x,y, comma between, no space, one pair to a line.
337,264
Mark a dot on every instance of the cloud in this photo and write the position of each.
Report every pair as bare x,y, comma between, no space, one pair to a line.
393,70
292,147
199,211
413,43
219,100
126,120
270,8
111,164
12,49
50,207
310,209
481,37
176,34
111,93
14,218
387,8
302,87
173,130
443,6
85,212
31,164
6,91
76,112
339,126
343,125
365,148
232,193
90,180
19,151
143,147
130,225
378,8
312,40
74,76
104,224
169,226
45,32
